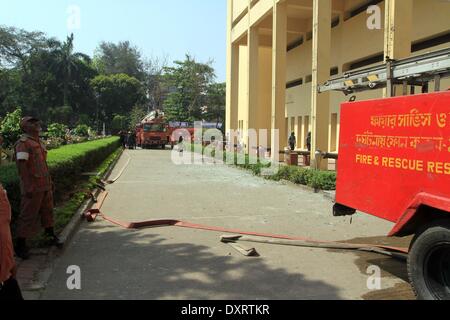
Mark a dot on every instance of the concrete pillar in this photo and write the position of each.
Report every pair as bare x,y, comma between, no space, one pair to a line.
321,65
232,97
279,60
253,78
398,32
233,89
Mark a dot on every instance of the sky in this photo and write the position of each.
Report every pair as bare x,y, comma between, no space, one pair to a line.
159,28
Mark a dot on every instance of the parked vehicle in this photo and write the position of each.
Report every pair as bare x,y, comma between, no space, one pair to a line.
394,162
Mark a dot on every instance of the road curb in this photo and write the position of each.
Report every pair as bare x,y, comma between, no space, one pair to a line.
68,232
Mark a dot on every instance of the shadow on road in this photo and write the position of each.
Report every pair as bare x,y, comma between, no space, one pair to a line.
123,264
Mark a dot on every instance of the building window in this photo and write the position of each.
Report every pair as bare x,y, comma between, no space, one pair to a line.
308,78
334,71
295,44
335,22
363,62
360,9
294,83
429,43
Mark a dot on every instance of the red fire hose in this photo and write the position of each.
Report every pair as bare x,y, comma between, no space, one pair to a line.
238,235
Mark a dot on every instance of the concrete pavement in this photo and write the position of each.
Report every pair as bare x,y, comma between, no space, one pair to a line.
175,263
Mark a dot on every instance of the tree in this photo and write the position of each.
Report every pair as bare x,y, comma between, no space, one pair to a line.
41,74
119,58
137,114
216,101
175,108
60,114
119,123
16,45
188,81
67,63
84,119
116,95
10,84
154,82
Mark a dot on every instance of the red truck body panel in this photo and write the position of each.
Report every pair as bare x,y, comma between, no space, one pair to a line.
160,136
394,156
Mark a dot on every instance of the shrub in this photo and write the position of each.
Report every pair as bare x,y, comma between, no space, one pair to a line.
284,173
57,130
319,180
81,130
10,128
62,114
322,180
120,123
66,165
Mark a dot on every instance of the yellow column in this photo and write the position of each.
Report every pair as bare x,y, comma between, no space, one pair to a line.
321,65
279,45
398,31
232,97
253,77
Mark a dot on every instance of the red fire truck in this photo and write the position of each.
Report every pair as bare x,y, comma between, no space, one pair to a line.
155,132
394,161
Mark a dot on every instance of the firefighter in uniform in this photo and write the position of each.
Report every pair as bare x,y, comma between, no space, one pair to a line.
36,186
9,288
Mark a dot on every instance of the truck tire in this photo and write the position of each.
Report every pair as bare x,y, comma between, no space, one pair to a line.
429,262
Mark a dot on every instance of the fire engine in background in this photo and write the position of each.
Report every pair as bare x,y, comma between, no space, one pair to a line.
155,132
394,161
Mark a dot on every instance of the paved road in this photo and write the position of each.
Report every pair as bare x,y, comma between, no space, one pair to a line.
174,263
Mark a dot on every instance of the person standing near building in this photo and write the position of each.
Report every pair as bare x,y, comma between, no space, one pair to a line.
131,140
9,288
308,141
123,138
36,188
292,141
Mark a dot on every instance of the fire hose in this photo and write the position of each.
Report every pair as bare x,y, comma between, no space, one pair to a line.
236,236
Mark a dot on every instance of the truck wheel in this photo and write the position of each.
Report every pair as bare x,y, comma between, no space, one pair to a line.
429,262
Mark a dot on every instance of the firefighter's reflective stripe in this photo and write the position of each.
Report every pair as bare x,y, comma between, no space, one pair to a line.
23,156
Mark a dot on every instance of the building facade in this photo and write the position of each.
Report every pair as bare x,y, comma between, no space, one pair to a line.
279,51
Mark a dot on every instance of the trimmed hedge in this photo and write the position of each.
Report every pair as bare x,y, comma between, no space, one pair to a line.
66,165
319,180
